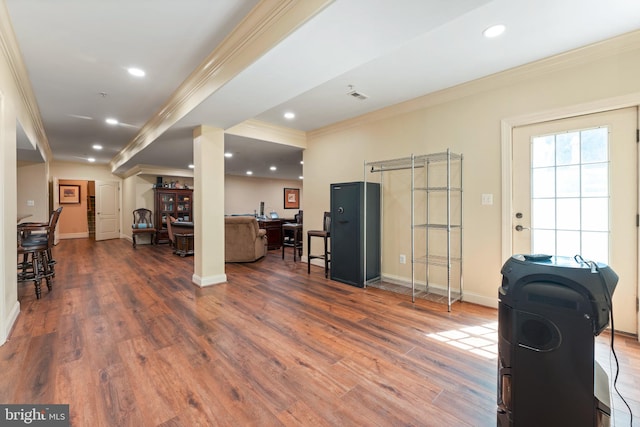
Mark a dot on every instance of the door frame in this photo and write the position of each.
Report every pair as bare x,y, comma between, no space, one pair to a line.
506,135
55,180
118,207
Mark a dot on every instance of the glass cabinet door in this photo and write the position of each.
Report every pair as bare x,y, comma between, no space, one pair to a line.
166,201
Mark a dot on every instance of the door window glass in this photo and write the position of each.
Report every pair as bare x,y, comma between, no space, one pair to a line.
570,194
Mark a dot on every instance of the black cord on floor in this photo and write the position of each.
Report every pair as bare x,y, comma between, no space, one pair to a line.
613,350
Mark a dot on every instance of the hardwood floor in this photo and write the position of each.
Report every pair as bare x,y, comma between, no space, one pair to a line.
126,339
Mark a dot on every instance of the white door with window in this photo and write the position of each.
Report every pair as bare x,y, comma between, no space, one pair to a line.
575,190
107,210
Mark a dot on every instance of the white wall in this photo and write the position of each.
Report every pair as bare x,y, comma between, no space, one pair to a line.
244,194
32,186
81,171
466,119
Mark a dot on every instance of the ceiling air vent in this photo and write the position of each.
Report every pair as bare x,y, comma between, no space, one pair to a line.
358,95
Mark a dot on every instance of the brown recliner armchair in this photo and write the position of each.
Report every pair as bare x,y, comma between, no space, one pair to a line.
244,241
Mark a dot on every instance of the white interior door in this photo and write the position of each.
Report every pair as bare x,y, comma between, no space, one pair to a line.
575,191
107,210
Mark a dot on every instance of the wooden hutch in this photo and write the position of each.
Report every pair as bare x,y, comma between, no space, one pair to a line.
175,202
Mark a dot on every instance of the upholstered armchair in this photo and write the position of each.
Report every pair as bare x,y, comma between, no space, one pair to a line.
244,240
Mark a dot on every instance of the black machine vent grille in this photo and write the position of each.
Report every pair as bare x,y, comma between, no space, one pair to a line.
553,301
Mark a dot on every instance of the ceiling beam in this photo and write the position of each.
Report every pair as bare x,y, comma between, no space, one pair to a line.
263,28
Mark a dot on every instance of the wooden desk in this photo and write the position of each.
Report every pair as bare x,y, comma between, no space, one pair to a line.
183,234
274,232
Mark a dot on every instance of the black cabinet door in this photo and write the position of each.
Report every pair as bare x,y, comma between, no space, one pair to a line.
347,232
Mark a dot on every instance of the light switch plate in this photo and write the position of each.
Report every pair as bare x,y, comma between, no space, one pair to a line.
487,199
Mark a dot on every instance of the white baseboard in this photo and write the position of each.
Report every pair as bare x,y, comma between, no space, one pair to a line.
73,235
10,322
481,299
467,296
404,281
315,261
208,281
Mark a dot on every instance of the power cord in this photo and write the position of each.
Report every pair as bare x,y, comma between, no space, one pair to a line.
594,269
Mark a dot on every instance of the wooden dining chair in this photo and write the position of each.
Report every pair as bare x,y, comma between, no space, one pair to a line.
142,224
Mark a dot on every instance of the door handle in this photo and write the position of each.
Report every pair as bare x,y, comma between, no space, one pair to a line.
520,228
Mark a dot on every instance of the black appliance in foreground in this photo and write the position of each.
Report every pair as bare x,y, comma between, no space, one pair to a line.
351,241
550,310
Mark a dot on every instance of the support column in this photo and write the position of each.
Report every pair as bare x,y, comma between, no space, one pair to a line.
208,206
9,305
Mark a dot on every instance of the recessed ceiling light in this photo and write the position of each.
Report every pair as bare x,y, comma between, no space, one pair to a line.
494,31
301,177
289,115
91,160
192,166
111,121
273,168
302,162
136,72
249,173
228,155
97,147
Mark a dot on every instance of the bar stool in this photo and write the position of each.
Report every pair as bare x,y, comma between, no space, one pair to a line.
292,238
324,234
31,234
37,252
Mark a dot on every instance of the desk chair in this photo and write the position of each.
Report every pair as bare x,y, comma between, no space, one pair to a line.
142,224
172,239
324,234
292,238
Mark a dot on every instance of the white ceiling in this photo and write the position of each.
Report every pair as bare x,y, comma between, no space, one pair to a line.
390,50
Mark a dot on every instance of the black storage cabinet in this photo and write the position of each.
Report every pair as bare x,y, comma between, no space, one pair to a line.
549,311
348,232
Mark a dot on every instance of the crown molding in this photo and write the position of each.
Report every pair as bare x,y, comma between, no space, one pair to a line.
26,105
143,169
580,56
263,28
264,131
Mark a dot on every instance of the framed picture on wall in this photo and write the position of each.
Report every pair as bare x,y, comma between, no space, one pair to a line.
69,193
292,198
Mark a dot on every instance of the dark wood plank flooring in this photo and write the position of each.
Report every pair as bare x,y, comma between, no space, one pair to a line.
126,339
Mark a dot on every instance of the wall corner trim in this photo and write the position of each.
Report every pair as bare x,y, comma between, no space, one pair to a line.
10,322
209,281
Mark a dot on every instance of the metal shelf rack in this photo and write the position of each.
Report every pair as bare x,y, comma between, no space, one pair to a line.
434,221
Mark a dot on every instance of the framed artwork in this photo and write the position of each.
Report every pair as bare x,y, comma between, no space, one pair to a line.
292,198
69,193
